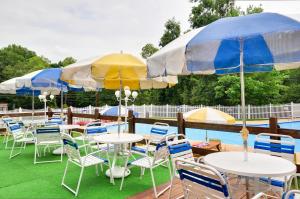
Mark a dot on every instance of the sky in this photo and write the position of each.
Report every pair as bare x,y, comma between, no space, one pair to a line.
86,28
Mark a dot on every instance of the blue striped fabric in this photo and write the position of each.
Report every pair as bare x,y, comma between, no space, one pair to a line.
70,143
47,130
291,196
179,148
159,131
138,149
274,147
161,145
203,180
276,183
14,127
6,120
96,130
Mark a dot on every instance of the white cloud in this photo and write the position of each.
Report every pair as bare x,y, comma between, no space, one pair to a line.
81,29
84,28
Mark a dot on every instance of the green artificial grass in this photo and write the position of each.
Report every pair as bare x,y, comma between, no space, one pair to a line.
21,179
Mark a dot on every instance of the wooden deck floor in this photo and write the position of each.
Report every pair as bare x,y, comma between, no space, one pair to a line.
177,191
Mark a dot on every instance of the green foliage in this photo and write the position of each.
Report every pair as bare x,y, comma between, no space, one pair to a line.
172,31
66,61
148,50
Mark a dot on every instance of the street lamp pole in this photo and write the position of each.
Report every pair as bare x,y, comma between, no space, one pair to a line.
43,98
129,96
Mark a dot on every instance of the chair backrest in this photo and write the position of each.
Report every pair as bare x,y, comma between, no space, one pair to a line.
179,147
54,121
201,181
158,131
161,151
292,194
16,130
283,147
47,134
71,148
7,119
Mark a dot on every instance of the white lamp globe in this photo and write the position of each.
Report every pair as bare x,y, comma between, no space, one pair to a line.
40,97
117,94
51,97
127,93
126,88
134,94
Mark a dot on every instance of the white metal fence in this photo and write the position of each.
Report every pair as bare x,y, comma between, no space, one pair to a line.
291,110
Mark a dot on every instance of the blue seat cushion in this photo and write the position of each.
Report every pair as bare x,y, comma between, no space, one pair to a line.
274,182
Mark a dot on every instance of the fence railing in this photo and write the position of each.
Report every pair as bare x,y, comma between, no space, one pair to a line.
290,110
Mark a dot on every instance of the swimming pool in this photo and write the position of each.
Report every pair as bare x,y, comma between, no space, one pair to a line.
225,137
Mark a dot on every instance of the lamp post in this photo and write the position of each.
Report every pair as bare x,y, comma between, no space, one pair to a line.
129,96
43,98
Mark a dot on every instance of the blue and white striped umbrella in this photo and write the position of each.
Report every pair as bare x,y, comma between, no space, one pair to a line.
253,43
262,41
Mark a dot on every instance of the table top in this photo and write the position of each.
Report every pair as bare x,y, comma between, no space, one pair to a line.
258,164
68,126
209,145
114,138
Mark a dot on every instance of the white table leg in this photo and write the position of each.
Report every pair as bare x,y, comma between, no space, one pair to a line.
117,170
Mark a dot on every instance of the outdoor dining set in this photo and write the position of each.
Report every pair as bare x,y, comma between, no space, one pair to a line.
269,171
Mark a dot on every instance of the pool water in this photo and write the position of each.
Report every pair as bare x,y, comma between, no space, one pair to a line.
225,137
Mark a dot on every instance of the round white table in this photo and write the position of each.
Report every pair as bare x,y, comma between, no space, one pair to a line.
118,141
258,165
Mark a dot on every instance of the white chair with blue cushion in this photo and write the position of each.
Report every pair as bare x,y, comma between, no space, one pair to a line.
278,145
74,157
20,137
203,181
158,132
160,157
179,147
47,138
5,121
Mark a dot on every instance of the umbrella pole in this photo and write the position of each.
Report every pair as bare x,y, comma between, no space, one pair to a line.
32,106
242,80
119,114
61,103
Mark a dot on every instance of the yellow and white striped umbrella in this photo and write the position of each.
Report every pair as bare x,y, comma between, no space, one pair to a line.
208,115
112,72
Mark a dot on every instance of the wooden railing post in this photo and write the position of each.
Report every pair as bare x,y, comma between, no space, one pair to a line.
273,126
50,112
131,122
70,116
180,123
97,114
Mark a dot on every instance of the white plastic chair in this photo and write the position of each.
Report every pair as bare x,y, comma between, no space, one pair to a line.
160,157
74,157
158,132
277,145
7,135
178,147
20,137
46,138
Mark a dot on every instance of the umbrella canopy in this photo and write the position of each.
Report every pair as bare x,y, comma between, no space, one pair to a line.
112,72
208,115
114,111
9,87
265,40
253,43
41,79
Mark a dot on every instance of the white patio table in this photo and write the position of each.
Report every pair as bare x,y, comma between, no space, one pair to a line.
118,141
258,165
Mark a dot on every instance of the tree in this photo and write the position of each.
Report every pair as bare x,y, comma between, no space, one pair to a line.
12,58
148,50
67,61
172,31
